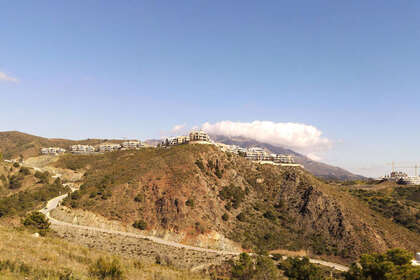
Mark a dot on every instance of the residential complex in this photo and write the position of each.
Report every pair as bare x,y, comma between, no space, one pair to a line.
199,135
194,136
82,149
398,176
260,155
131,145
52,151
109,147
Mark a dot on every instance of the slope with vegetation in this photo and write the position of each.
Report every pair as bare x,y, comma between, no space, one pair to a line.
14,144
401,204
23,189
23,256
196,192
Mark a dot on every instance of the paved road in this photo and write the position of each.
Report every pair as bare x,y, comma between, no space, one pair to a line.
55,202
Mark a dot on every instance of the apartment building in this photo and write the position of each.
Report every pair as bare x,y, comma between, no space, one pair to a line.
131,145
109,147
52,151
199,135
82,149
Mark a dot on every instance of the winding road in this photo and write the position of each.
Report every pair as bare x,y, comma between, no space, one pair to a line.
55,202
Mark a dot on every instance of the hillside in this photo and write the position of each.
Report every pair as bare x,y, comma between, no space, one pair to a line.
199,195
23,189
23,256
14,144
319,169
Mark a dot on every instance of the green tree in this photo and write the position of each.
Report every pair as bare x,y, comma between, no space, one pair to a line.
38,221
301,269
243,269
393,265
261,268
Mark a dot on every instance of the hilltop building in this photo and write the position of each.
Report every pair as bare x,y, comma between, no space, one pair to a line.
131,145
194,136
402,177
109,147
52,151
199,135
82,149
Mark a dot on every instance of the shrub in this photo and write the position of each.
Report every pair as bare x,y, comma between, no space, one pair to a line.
200,164
190,202
140,224
269,215
106,269
225,217
233,194
241,217
139,197
15,182
37,221
25,171
394,264
42,176
260,268
301,269
16,165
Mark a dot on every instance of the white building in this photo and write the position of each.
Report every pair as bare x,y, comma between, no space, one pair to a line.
52,151
199,135
109,147
131,144
82,149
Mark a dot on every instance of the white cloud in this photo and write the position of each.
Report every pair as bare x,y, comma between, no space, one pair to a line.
303,138
178,128
5,77
314,157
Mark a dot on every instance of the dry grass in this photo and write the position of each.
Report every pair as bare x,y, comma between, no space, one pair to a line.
50,258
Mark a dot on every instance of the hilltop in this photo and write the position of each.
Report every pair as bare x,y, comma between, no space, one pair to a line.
14,144
198,195
319,169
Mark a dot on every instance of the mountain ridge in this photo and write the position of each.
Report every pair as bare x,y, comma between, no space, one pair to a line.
319,169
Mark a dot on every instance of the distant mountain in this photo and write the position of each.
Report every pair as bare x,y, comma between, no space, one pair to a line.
319,169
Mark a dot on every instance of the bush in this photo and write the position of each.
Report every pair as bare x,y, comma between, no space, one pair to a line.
38,221
25,171
301,269
106,269
42,176
260,268
139,198
140,224
190,202
200,164
225,217
269,215
241,217
394,264
16,165
233,194
15,182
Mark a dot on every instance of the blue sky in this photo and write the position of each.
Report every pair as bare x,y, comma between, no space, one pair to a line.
136,69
